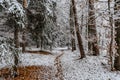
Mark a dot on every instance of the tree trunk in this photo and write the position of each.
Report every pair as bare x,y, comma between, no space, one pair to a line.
23,40
111,42
37,46
25,3
16,41
117,38
24,29
37,43
41,42
15,73
72,28
16,38
79,38
92,33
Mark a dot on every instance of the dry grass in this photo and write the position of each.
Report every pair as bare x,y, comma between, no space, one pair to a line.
29,73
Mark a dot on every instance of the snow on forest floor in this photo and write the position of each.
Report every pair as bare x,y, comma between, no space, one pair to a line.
89,68
65,65
28,59
33,65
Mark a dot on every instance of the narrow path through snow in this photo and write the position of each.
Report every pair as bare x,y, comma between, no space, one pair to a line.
59,73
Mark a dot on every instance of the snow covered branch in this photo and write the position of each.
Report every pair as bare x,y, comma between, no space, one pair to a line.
15,8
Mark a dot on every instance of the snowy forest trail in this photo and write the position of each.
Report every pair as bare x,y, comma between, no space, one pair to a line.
58,65
34,66
37,66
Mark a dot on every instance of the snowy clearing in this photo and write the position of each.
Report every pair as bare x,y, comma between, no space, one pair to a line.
89,68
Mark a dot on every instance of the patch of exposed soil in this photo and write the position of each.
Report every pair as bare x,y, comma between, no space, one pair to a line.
29,73
39,52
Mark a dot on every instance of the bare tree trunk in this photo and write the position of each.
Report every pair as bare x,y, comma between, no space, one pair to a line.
79,38
117,38
41,43
92,33
72,28
81,21
24,29
15,73
111,42
16,41
16,38
25,3
23,40
38,45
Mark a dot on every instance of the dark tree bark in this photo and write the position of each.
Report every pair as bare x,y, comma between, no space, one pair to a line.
15,73
72,28
92,33
24,30
16,38
117,38
23,40
38,45
79,38
111,42
16,41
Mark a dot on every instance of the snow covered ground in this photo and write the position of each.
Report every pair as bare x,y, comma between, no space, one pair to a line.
89,68
37,59
30,59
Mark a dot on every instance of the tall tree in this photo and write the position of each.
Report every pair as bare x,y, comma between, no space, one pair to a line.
92,33
24,29
117,38
17,16
11,22
79,38
72,28
43,21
